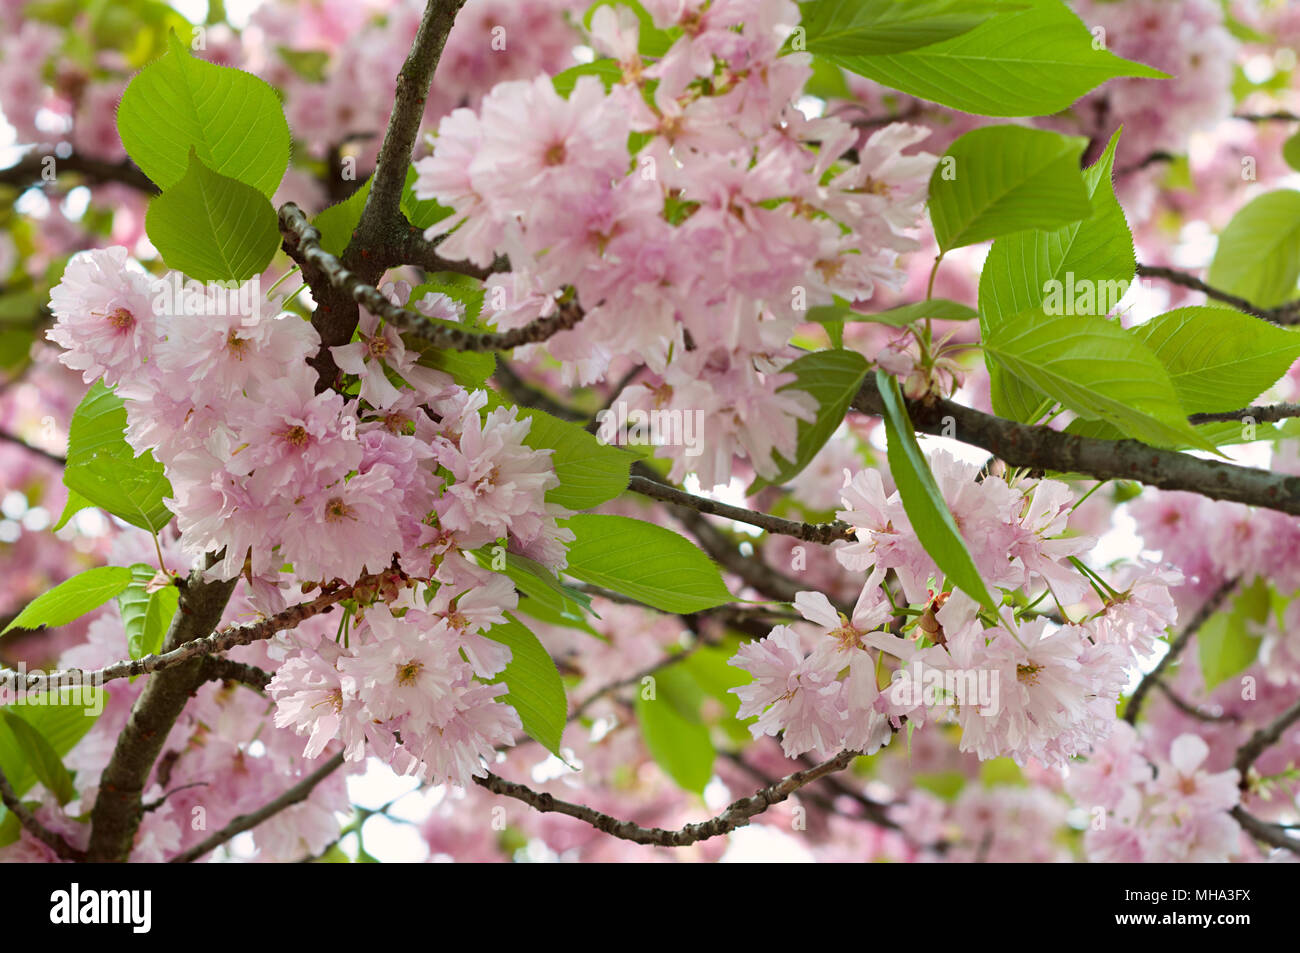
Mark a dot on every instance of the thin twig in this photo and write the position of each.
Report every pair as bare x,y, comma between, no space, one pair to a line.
737,814
33,826
1208,608
296,794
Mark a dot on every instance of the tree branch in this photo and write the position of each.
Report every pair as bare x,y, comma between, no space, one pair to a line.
302,243
1263,739
33,826
1260,414
296,794
737,814
1151,678
1272,834
823,533
118,809
191,648
1283,314
17,441
1041,448
30,170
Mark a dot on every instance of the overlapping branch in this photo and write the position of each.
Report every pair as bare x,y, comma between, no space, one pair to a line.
33,826
1041,448
1283,314
185,651
302,242
244,822
738,813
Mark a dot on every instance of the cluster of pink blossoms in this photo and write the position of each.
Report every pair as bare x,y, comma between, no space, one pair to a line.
1175,815
1036,689
393,483
698,254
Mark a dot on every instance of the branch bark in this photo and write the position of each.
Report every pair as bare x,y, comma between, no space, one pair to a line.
1041,448
33,826
118,809
737,814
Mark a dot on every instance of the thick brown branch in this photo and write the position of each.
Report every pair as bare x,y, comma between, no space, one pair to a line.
302,242
295,795
1041,448
382,218
118,808
737,814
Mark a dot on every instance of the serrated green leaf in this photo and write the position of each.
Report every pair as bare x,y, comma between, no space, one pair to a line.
1228,642
1219,360
103,469
61,719
651,564
1258,257
536,581
42,759
231,118
999,180
536,691
1022,271
1097,369
831,378
674,735
606,70
337,223
1032,61
590,472
212,227
925,506
146,615
420,212
72,598
854,29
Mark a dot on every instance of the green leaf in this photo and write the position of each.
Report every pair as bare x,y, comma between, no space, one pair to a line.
1025,270
1024,62
674,734
1219,360
536,581
73,598
590,472
337,223
1258,257
213,227
44,762
232,119
536,691
937,309
1228,643
61,718
146,615
308,64
852,30
103,469
606,70
925,506
419,212
651,564
76,503
831,378
1291,152
1096,369
998,180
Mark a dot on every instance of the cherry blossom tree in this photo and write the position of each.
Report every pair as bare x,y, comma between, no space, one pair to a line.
674,429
